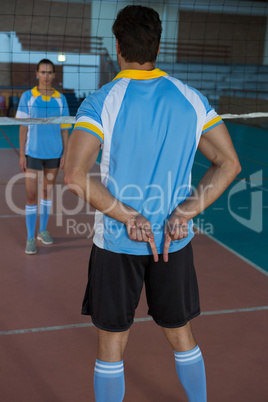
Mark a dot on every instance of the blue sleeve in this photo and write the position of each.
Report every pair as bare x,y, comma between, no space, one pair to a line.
23,108
212,119
91,107
65,112
88,117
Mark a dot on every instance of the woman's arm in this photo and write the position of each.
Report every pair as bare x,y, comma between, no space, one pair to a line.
23,137
65,136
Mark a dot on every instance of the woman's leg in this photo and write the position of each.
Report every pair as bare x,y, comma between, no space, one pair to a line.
49,179
31,183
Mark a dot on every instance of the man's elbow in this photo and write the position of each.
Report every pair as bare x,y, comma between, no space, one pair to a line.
236,167
74,182
231,167
69,177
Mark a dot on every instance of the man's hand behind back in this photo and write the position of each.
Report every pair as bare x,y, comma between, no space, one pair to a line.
139,229
176,229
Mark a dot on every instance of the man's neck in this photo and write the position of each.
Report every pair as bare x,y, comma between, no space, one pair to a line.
136,66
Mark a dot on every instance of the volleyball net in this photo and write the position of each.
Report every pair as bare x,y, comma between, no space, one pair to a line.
219,48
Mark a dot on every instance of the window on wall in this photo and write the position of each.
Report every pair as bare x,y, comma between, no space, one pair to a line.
221,38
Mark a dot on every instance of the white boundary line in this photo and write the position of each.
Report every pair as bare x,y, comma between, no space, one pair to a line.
228,248
58,214
142,319
233,252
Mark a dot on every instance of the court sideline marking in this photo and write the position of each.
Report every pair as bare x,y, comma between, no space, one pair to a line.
263,271
144,319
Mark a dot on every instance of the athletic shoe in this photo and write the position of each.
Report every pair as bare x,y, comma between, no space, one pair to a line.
30,246
45,237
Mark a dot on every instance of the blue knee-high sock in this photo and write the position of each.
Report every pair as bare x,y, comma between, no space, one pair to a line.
191,372
109,381
31,216
45,206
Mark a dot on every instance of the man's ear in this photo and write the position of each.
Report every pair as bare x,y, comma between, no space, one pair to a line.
118,51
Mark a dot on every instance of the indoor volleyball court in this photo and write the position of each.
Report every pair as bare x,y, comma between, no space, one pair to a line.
47,348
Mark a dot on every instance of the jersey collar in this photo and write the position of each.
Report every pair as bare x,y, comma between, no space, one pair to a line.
36,93
140,74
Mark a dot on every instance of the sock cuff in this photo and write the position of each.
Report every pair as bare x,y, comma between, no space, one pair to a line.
30,209
189,357
45,202
109,369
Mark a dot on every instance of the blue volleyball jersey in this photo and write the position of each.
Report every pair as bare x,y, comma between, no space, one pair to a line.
43,141
149,125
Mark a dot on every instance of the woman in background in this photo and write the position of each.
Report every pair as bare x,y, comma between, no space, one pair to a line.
42,148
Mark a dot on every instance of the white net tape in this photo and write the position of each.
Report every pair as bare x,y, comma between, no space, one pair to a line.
12,121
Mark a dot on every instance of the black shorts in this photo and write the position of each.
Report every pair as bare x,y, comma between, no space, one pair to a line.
115,283
39,164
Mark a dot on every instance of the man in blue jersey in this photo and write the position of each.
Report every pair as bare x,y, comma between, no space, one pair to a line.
149,126
41,149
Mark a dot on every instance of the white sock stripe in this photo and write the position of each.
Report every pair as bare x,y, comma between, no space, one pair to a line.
188,358
31,211
46,202
108,366
186,354
108,371
31,207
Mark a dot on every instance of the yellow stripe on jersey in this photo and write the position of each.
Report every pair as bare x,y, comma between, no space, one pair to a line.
66,125
56,94
140,74
90,127
212,123
36,93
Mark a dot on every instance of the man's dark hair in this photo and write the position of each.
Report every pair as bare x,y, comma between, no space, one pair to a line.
45,61
138,31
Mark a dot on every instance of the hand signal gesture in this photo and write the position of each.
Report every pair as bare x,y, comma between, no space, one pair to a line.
139,229
176,229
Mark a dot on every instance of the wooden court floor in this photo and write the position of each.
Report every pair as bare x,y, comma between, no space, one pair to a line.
48,349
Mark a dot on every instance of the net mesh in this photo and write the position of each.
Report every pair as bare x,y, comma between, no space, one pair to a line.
219,48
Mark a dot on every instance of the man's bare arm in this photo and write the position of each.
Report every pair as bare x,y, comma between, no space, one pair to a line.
82,152
216,145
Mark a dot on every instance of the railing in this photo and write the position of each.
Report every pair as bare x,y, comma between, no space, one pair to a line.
191,51
195,51
72,44
61,43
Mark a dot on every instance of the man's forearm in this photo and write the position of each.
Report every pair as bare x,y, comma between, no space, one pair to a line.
210,188
100,198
